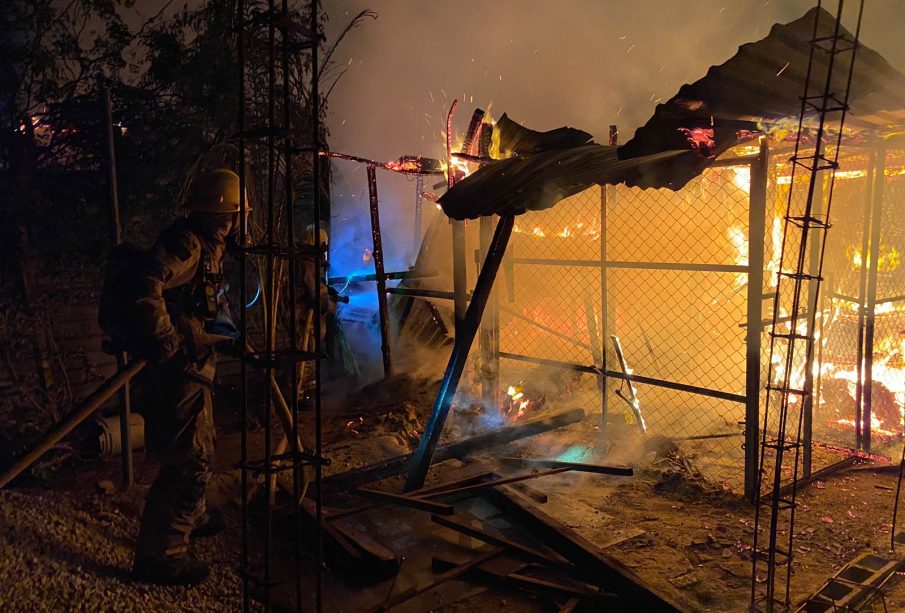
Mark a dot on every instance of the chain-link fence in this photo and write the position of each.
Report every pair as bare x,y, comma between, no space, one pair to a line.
666,277
661,275
861,350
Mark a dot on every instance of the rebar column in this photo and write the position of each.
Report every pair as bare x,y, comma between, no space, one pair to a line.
122,358
318,274
243,301
872,262
377,256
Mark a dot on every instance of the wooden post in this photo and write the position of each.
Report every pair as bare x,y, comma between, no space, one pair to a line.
757,211
125,396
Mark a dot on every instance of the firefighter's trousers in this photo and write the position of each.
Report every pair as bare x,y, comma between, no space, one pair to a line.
179,429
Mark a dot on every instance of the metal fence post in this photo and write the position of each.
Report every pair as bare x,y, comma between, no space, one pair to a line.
464,339
377,255
862,293
419,214
604,305
489,338
757,209
807,416
871,305
125,413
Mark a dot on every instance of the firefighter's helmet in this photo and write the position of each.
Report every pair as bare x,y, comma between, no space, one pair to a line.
217,192
308,237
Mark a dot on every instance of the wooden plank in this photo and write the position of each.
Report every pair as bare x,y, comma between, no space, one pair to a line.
536,585
594,565
449,575
535,495
419,504
570,605
469,489
493,537
476,478
623,471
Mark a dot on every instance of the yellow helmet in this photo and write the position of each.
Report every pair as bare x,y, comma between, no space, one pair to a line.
308,237
217,192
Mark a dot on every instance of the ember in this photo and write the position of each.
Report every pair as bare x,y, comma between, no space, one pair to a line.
701,140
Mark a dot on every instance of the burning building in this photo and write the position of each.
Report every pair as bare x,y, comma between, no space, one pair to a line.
602,310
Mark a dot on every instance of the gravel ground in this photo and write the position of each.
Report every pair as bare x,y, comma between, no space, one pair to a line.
60,552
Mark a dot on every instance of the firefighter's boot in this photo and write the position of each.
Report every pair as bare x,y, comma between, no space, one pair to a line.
181,570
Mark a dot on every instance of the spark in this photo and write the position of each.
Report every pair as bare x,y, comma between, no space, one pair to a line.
781,70
629,49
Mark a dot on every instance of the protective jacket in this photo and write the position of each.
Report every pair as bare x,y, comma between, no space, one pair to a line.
178,286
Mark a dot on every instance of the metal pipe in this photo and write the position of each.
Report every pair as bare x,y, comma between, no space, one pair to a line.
464,339
460,273
377,256
270,293
593,370
811,313
872,262
419,213
125,410
489,359
757,212
292,410
408,274
686,266
604,304
318,413
85,410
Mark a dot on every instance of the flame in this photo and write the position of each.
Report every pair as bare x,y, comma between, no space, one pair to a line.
888,260
701,140
366,256
516,405
742,178
776,255
739,239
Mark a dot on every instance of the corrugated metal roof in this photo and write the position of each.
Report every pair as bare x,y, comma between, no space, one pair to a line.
760,84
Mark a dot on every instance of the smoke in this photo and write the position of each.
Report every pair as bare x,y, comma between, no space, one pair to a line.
583,63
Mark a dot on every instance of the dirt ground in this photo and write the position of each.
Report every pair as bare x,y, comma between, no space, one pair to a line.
65,543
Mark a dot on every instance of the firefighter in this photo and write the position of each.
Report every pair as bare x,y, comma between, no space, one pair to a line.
180,281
